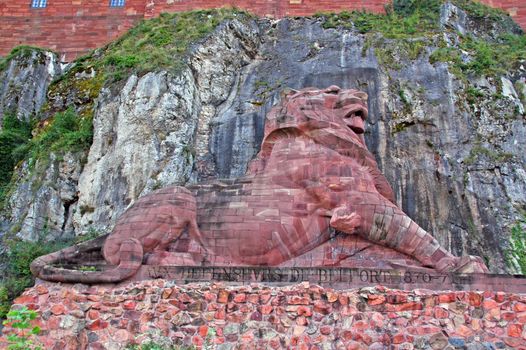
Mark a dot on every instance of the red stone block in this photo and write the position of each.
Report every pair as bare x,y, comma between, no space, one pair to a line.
197,341
475,299
519,307
489,304
513,342
441,312
446,298
58,309
332,296
266,309
423,330
376,299
298,300
93,314
41,289
220,314
240,298
304,311
515,330
321,307
222,296
26,299
129,305
463,331
325,330
208,296
500,297
398,338
203,331
97,325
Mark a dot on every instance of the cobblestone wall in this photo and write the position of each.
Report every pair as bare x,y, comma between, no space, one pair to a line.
260,317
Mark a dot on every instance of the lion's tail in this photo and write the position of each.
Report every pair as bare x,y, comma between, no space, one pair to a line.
48,267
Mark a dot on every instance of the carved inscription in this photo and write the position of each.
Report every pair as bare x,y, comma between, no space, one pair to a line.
324,276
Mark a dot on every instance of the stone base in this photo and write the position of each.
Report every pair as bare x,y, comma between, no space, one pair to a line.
256,316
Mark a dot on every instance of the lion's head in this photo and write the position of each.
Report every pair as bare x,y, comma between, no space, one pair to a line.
333,117
341,111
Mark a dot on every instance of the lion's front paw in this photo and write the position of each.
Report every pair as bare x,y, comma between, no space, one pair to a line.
465,264
346,221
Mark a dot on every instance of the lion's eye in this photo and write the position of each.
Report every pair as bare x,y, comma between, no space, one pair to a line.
358,114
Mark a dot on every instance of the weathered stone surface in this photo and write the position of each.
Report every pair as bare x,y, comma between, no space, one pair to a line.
24,82
371,328
43,203
148,134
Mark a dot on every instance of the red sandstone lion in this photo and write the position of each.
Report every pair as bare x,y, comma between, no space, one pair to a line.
312,176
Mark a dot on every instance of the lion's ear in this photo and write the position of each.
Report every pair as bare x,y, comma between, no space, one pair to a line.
286,92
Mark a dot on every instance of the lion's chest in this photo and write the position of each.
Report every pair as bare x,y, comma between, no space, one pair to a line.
273,214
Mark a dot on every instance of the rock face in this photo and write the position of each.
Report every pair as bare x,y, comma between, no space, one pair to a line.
25,80
43,202
456,165
148,135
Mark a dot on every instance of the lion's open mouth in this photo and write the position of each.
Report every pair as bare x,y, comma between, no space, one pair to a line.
354,119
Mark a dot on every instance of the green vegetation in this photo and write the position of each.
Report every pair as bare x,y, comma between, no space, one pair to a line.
412,22
494,58
486,58
20,319
19,255
17,275
19,51
473,95
395,53
14,136
479,10
65,132
404,19
479,151
516,254
153,44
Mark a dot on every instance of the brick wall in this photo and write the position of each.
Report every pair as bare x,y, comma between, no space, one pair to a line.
73,27
70,27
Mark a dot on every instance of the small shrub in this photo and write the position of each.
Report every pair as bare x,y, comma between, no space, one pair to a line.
19,51
14,135
473,95
479,10
20,319
516,254
17,275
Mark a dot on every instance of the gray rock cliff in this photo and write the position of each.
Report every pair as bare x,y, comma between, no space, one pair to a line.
25,80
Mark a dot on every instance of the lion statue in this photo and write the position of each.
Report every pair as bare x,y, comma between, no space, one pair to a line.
312,179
